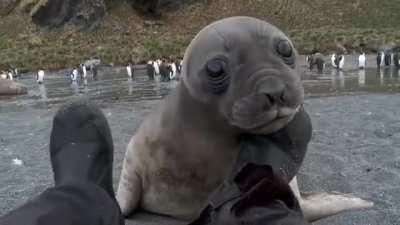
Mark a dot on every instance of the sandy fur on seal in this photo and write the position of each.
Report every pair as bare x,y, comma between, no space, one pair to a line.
187,147
176,170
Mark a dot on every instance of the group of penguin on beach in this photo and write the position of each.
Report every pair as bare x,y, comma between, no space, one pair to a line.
74,74
167,70
10,74
383,58
82,71
337,61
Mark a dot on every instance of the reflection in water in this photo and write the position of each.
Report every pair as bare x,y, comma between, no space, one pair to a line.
108,88
172,84
361,78
85,86
368,80
341,78
381,77
338,79
387,72
115,87
333,78
75,87
395,73
130,86
158,81
42,90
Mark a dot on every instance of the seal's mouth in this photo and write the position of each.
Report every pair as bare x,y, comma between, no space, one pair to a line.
259,114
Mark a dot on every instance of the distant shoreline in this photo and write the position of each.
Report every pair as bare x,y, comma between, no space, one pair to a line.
351,63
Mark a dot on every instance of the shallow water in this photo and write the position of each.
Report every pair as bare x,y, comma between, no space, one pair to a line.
113,85
334,82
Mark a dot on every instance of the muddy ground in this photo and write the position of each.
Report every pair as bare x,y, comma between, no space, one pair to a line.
355,149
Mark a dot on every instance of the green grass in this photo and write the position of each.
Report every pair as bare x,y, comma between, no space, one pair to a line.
3,43
327,40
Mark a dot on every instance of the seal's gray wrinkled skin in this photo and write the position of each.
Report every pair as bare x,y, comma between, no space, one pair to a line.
262,81
240,76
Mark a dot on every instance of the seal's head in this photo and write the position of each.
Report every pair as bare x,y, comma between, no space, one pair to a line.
248,70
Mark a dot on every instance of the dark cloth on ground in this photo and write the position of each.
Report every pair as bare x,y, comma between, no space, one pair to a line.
257,196
258,192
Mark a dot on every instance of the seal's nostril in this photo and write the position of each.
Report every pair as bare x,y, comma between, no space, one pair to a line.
273,87
269,101
282,97
275,98
270,98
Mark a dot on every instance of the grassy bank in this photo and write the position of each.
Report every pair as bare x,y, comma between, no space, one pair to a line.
312,24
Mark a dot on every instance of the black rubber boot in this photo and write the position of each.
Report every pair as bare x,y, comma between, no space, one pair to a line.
81,147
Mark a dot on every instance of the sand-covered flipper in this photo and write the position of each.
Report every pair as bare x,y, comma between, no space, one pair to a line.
317,206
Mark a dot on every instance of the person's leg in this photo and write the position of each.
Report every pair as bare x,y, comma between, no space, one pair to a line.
68,204
81,152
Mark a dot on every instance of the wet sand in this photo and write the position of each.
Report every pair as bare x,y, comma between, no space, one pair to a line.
355,148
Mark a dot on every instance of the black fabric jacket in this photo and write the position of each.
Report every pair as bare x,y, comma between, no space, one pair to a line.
257,192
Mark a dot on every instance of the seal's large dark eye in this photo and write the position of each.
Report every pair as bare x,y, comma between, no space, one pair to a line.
285,50
216,67
217,76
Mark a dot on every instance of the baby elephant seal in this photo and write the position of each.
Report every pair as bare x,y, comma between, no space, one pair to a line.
240,76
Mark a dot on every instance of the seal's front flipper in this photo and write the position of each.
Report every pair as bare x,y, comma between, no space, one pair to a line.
321,205
129,193
130,185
